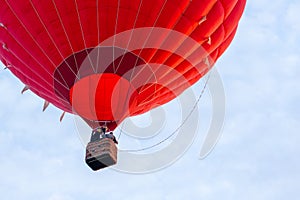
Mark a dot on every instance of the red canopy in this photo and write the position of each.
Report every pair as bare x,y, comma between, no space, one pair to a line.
110,59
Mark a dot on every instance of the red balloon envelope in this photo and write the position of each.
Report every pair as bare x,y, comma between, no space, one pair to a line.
110,59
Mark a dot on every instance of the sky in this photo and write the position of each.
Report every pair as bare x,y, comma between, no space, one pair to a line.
256,157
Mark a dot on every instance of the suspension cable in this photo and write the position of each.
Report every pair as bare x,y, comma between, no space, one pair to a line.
175,131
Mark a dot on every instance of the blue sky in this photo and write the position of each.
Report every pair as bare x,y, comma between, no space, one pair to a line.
256,157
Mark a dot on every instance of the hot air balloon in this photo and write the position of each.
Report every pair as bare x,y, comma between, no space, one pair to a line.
110,59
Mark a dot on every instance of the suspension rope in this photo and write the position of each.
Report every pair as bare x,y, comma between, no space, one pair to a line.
132,30
145,42
83,36
50,36
115,31
133,70
175,131
33,38
162,43
66,34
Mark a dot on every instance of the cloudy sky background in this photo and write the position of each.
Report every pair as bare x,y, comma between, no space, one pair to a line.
256,158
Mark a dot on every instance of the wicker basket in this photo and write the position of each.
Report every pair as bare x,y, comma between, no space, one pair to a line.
101,154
